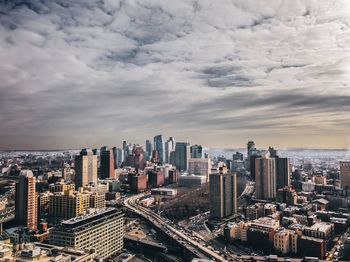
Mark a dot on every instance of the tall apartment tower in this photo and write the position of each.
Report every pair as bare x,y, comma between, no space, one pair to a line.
196,151
107,163
26,212
265,177
85,168
182,155
223,194
282,172
159,147
250,146
345,174
169,147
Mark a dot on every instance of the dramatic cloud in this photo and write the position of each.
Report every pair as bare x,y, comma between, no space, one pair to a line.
86,73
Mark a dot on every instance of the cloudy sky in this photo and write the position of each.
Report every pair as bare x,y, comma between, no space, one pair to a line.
87,73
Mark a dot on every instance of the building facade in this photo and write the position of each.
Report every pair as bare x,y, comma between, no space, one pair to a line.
85,168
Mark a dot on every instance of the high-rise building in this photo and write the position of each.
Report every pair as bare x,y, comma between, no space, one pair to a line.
118,157
159,147
169,147
196,151
102,230
223,194
250,146
136,159
265,177
85,168
26,209
345,174
238,156
182,155
107,163
254,153
273,151
149,149
282,172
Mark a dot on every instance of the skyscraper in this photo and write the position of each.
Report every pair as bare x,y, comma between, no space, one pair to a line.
169,147
149,149
182,155
85,168
107,163
265,177
26,201
250,146
345,174
159,147
118,157
196,151
223,194
282,172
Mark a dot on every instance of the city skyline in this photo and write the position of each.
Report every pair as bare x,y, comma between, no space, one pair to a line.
86,74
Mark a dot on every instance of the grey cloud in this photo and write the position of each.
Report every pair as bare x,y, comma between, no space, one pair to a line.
108,70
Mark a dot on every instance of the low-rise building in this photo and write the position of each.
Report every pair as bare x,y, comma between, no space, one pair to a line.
192,181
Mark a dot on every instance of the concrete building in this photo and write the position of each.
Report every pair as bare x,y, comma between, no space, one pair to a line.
265,177
182,155
97,200
101,230
85,168
223,194
61,186
191,181
283,172
320,230
107,163
345,174
43,204
26,200
255,211
286,241
199,167
167,193
196,151
287,195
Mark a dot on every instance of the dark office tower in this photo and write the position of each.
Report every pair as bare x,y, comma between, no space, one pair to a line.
237,156
254,153
196,151
169,147
149,149
273,151
159,147
223,194
26,201
85,168
250,146
125,149
94,151
265,177
182,155
107,164
283,172
117,157
154,158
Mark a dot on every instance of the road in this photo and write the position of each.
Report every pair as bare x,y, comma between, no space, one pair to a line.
183,238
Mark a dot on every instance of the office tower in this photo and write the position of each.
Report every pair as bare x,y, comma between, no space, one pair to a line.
254,153
85,168
159,147
117,157
94,151
282,172
223,194
345,175
182,155
136,159
26,209
196,151
265,177
149,149
238,156
107,163
101,230
169,147
199,166
250,146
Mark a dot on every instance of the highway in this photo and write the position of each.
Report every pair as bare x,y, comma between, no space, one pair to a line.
178,235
